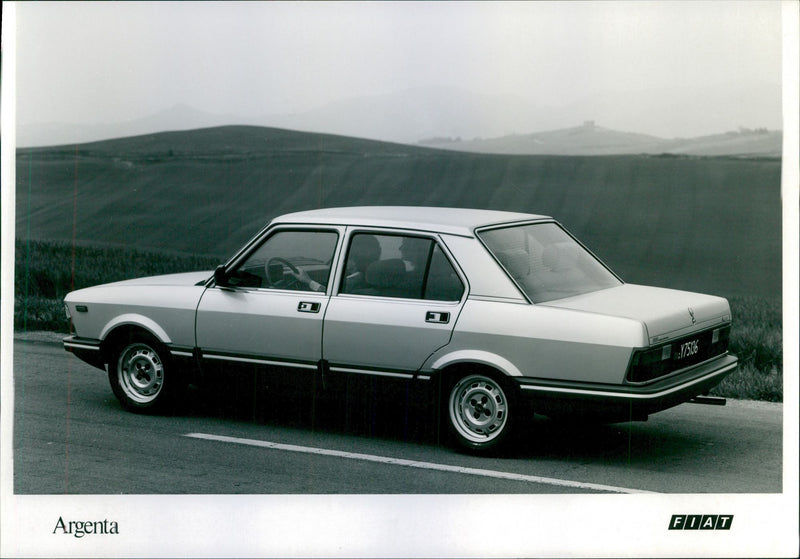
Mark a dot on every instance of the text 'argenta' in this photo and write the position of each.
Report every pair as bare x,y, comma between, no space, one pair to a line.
701,522
81,528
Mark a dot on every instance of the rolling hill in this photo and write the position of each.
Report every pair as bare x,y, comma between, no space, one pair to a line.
707,224
590,139
409,115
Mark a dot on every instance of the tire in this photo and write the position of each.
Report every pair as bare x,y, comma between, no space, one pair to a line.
141,376
479,412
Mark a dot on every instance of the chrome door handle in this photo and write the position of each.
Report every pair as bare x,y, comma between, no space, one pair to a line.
306,306
437,317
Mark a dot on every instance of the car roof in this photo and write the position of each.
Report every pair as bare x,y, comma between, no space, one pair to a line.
456,221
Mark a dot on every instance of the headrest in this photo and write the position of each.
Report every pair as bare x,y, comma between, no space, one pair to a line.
386,273
516,261
365,247
560,256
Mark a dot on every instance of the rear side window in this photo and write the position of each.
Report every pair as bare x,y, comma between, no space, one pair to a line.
443,283
400,266
546,262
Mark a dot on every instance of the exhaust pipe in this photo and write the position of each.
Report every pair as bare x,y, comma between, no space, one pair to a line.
708,400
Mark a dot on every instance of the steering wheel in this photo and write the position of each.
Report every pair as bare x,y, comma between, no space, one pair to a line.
284,283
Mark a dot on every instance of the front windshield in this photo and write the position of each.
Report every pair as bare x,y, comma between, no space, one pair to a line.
546,262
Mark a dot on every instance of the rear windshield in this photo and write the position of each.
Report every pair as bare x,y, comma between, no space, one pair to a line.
546,262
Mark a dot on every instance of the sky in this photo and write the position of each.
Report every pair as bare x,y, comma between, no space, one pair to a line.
89,63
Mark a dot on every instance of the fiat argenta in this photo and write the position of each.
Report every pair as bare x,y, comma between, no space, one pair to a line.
504,314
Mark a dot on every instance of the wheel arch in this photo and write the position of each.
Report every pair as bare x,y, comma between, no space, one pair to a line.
447,376
135,321
127,326
475,359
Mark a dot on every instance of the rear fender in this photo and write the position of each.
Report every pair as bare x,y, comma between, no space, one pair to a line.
472,356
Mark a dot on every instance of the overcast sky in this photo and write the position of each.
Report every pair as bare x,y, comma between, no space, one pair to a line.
108,62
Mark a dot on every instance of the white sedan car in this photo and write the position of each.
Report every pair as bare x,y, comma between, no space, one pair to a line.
491,309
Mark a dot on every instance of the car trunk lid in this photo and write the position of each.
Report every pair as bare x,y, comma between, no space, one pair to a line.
666,313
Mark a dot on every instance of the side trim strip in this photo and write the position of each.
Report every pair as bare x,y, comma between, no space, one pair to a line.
631,396
374,373
181,353
261,361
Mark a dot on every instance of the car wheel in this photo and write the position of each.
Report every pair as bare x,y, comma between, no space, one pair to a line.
140,375
479,412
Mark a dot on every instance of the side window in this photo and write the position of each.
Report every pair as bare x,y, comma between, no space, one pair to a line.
443,283
399,266
294,260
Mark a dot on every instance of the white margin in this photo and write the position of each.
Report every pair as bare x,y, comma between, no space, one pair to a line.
8,107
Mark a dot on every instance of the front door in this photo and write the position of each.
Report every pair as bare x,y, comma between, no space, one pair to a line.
271,307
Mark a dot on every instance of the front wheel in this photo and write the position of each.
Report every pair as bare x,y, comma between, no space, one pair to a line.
140,377
479,412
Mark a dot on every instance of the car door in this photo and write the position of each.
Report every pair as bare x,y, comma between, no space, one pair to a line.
396,303
270,307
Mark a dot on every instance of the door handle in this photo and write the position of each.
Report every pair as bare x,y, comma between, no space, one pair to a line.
437,317
306,306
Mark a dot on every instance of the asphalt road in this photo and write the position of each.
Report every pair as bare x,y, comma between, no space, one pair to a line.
72,437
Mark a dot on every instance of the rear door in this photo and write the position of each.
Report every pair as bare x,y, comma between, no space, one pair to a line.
395,304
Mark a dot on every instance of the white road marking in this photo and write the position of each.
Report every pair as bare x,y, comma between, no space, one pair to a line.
417,464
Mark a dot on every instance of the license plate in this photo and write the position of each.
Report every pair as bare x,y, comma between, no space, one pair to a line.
687,349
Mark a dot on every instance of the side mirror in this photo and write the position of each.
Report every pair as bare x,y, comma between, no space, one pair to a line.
220,278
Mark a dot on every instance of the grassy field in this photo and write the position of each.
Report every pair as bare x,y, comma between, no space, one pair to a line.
45,272
756,338
711,225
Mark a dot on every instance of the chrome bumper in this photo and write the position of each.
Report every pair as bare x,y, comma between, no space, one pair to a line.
627,400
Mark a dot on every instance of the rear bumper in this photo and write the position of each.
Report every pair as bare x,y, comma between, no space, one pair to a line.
85,349
625,402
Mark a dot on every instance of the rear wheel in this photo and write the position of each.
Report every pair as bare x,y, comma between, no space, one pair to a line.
479,412
141,376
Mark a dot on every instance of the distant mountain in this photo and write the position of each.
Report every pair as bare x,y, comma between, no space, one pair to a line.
402,117
179,117
408,116
590,139
742,143
681,112
427,112
411,115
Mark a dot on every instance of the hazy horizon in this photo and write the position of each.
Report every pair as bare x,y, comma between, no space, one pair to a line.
660,68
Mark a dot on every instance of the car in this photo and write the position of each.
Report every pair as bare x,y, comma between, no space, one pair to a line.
500,314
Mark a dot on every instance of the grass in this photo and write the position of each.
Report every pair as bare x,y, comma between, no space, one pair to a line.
757,333
749,383
46,271
757,339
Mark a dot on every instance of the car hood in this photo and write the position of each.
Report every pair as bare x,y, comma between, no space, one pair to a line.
185,279
666,313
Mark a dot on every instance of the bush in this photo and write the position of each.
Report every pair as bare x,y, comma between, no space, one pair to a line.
40,313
